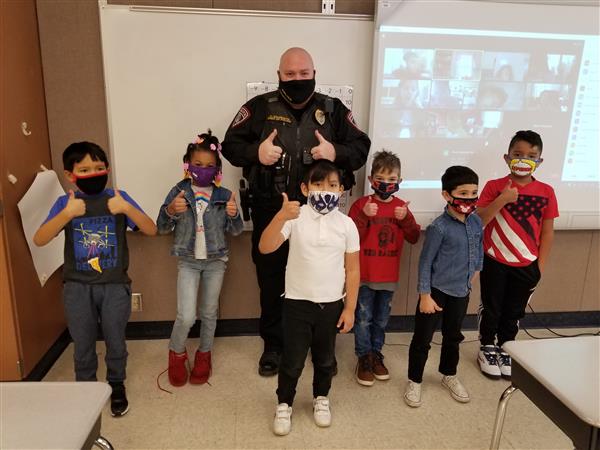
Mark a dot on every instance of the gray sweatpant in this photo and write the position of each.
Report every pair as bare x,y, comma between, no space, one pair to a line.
86,305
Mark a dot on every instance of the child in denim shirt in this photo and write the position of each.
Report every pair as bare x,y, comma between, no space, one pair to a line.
201,212
452,253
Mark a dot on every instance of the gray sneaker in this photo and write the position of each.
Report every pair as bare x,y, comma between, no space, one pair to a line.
282,424
412,394
456,388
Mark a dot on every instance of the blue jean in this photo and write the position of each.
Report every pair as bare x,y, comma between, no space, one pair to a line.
190,272
371,317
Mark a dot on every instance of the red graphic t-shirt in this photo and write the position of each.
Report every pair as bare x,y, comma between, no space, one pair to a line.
381,239
513,236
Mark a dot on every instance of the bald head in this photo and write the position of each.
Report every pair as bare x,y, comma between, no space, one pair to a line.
296,64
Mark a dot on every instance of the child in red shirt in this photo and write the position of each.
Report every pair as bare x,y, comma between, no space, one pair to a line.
384,223
518,213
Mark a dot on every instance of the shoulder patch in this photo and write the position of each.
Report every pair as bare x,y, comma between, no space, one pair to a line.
350,118
242,115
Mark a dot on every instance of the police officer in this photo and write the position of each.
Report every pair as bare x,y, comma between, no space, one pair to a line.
274,137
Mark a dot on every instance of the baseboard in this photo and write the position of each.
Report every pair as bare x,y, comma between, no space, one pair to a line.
47,361
249,327
399,324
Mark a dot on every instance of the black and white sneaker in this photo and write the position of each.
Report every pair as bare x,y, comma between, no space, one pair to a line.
118,400
504,363
488,361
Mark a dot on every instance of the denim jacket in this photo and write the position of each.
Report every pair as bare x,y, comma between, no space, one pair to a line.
216,222
452,253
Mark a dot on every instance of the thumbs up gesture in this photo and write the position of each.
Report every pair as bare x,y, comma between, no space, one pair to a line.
370,208
75,206
268,152
117,204
178,205
289,209
510,193
401,211
231,207
325,149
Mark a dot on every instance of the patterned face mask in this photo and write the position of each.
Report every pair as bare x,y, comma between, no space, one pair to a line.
522,167
463,205
323,202
383,189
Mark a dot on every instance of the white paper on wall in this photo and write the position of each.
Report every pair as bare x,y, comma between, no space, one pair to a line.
343,92
34,207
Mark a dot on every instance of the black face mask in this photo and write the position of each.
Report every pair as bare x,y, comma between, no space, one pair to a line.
92,185
297,91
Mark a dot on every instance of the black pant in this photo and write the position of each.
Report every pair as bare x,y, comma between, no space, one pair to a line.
307,325
453,312
505,292
270,274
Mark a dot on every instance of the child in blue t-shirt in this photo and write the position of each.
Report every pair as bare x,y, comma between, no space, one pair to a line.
96,285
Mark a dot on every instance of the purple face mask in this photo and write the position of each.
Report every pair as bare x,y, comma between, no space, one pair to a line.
202,176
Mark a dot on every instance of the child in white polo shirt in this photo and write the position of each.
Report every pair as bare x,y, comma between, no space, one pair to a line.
322,269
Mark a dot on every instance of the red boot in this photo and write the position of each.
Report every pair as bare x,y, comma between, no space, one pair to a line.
202,368
178,370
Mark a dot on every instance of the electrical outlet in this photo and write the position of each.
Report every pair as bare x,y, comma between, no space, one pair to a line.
136,302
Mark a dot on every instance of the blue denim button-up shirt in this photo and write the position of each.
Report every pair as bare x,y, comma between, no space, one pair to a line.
452,253
216,222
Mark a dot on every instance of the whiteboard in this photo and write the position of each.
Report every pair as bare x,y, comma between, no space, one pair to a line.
171,73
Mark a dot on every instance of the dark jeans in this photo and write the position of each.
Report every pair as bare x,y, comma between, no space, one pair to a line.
270,274
307,325
453,312
371,317
505,292
85,306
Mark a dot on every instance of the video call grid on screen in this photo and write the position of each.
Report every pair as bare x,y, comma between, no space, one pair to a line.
474,88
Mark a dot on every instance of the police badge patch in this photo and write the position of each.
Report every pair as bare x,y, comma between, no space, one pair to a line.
320,116
350,119
242,115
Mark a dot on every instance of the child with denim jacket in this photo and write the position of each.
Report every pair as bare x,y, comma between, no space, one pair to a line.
200,211
452,254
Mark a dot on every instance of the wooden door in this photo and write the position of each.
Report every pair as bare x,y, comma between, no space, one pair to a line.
37,312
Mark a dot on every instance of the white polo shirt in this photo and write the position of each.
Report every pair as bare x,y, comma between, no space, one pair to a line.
318,243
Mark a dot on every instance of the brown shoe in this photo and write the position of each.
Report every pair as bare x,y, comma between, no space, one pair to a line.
364,370
380,372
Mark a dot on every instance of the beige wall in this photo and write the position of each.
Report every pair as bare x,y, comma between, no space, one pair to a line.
70,41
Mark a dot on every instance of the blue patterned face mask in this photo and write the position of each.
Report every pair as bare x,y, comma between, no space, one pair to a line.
323,202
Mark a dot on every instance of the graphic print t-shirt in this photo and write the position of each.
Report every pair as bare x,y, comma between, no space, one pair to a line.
95,243
202,195
513,236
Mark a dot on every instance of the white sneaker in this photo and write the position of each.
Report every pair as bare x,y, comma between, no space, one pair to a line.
456,388
504,363
282,424
488,361
412,394
321,411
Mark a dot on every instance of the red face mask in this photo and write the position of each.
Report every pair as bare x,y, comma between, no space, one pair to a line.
463,205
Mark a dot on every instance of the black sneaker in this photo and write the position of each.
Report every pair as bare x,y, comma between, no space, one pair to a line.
269,364
118,400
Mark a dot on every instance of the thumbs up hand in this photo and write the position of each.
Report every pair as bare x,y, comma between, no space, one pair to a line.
178,205
370,208
325,149
75,206
401,211
117,204
231,207
268,152
289,209
510,193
